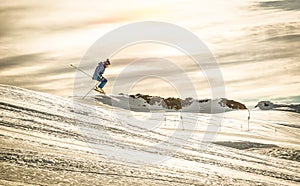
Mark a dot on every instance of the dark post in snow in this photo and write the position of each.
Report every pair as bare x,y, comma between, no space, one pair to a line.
248,118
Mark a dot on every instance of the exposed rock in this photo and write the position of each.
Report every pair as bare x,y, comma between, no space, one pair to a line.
232,104
203,100
265,105
177,103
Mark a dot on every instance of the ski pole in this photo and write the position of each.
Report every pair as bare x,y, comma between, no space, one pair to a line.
90,90
80,70
84,71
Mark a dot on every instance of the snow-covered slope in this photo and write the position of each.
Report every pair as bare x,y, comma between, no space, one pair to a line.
51,140
268,105
144,103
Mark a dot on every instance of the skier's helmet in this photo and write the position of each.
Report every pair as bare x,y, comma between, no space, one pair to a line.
107,62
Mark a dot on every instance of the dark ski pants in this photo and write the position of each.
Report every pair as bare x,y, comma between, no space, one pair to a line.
102,81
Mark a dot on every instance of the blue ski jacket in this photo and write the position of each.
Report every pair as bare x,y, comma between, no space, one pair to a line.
99,71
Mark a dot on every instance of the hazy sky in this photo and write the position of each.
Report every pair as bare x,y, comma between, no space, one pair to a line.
256,43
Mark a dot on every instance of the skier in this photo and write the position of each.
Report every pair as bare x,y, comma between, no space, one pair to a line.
98,75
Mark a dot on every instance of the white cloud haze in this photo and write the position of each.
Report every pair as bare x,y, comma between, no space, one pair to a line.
256,43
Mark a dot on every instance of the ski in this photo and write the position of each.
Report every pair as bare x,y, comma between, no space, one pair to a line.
99,90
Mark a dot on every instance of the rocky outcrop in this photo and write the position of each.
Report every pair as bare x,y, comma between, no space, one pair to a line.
177,103
232,104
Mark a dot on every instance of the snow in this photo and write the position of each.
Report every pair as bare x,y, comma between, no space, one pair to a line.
268,105
155,103
47,139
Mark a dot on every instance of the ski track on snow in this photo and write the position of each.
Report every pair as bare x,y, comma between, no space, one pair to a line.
46,139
